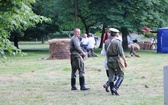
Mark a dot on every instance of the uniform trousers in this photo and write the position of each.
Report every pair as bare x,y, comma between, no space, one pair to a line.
113,64
77,63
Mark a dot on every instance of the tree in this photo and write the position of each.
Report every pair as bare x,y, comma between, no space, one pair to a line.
15,14
101,11
78,14
47,8
14,36
131,15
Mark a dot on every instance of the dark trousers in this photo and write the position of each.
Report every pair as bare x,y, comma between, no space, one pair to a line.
77,63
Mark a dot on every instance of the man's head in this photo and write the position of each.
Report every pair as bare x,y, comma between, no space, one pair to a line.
106,30
84,35
77,31
113,32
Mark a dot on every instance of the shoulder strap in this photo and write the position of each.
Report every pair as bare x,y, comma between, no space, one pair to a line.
111,44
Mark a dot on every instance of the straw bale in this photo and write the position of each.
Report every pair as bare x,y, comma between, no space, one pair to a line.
59,48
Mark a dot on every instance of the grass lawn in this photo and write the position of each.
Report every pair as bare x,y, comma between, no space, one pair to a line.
30,81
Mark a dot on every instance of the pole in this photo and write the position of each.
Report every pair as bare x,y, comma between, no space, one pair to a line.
165,85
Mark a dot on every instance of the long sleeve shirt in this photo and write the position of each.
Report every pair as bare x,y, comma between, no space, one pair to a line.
75,45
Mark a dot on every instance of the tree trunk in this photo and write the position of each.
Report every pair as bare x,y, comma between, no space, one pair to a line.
124,31
15,40
76,11
42,40
102,36
87,30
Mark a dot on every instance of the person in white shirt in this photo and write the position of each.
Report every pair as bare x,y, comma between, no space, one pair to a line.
91,45
84,42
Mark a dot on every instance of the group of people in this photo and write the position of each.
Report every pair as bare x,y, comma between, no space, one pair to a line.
114,67
88,44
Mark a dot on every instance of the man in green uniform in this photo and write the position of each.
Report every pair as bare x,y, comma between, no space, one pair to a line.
77,62
114,52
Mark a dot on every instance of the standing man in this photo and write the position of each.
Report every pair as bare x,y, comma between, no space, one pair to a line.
77,62
91,45
114,52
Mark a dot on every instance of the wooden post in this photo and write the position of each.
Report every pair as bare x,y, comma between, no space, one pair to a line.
165,85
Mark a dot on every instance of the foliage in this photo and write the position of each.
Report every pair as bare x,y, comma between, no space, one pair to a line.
78,14
131,15
150,35
135,14
15,14
47,8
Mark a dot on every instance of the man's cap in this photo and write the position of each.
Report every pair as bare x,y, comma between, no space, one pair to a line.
113,30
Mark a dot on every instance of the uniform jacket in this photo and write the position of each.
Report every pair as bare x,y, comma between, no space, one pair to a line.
113,47
75,45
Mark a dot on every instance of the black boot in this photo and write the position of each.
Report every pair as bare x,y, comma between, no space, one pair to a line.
117,85
111,87
73,84
115,91
82,84
115,75
106,85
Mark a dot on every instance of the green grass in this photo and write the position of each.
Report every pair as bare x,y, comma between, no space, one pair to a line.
30,81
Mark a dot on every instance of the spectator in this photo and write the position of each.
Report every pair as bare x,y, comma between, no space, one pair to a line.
84,42
91,45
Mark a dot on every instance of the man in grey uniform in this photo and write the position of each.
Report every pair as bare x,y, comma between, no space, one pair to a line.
114,52
77,62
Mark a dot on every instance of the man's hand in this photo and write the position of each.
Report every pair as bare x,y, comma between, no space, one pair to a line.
83,54
125,64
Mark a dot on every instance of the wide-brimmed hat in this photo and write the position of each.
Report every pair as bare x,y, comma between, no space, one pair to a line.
114,30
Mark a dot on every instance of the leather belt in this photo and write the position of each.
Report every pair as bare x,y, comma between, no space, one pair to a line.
112,55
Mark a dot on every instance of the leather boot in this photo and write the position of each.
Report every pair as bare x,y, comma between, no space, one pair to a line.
106,85
115,75
111,88
73,84
82,84
117,85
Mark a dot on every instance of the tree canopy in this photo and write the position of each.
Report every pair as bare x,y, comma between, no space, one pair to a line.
15,14
131,15
126,15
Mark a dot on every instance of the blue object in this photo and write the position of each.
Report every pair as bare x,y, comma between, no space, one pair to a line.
162,40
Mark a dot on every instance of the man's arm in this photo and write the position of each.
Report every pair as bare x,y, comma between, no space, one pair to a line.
77,46
125,61
121,53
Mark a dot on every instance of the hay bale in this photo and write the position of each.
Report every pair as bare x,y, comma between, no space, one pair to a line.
59,48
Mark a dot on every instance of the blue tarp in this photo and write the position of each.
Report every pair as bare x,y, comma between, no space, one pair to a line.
162,40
